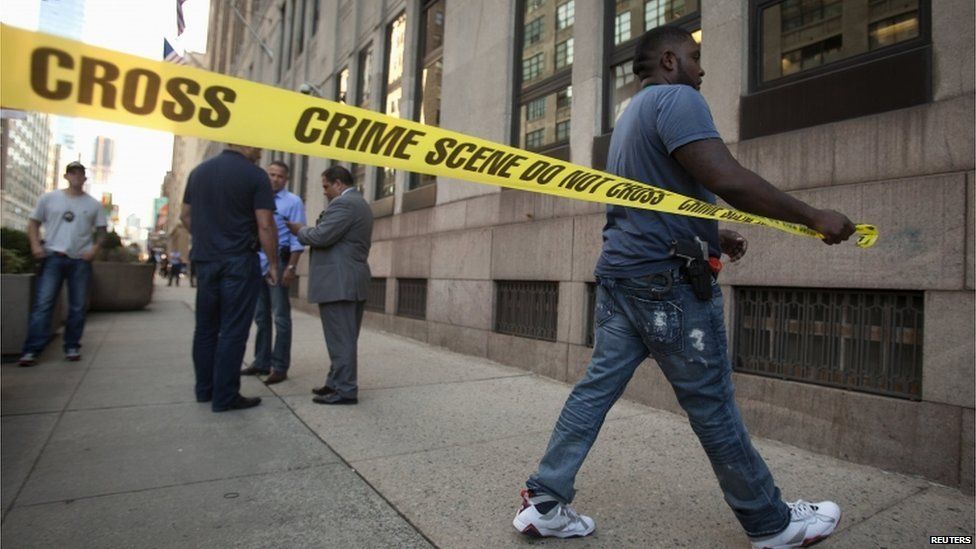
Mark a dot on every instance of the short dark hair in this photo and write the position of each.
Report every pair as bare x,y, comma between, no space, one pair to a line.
651,45
280,164
338,173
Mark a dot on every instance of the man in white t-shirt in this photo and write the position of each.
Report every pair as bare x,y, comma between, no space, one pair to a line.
74,226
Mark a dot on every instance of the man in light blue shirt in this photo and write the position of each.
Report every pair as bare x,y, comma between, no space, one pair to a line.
273,360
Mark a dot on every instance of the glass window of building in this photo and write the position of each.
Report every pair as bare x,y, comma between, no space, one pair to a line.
533,31
535,109
393,84
564,53
621,28
800,35
364,78
565,15
631,19
342,86
562,130
546,43
431,73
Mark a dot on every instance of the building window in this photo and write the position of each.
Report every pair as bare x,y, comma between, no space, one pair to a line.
393,84
534,139
564,98
342,86
562,130
564,53
868,341
532,67
535,109
629,21
364,78
621,28
412,298
376,295
819,61
431,73
798,36
532,5
533,32
565,15
316,11
527,309
298,26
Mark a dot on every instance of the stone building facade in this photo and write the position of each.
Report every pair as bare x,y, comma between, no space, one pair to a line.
865,106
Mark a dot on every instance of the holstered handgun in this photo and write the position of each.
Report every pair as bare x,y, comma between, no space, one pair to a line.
696,268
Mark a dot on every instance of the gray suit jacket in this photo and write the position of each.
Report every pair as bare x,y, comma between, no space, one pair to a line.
339,243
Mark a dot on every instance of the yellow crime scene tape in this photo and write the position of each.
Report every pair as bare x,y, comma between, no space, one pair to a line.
55,75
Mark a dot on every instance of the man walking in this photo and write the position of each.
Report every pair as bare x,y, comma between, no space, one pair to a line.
338,279
657,296
69,217
273,300
227,207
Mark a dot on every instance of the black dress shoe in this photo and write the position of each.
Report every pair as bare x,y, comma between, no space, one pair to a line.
334,398
204,398
275,377
241,403
252,371
323,390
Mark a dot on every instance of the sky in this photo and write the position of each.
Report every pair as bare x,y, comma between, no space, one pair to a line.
138,27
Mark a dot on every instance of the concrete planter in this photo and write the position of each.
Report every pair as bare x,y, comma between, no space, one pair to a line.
16,300
120,286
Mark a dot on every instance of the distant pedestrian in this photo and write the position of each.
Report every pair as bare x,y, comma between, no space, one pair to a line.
270,359
175,267
338,279
657,296
227,207
69,217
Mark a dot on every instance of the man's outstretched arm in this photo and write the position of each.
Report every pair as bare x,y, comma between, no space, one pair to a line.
711,163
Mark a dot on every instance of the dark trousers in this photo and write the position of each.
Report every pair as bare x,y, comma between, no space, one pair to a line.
341,321
226,295
55,270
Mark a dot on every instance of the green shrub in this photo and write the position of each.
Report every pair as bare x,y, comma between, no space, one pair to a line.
16,257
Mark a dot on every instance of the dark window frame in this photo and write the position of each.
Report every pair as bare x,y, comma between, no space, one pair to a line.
412,308
886,79
557,81
384,89
621,53
811,339
537,302
756,8
415,180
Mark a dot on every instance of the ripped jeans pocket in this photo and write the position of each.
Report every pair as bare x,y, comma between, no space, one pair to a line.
660,324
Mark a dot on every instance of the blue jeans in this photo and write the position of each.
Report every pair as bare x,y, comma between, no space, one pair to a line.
273,302
639,317
56,269
226,293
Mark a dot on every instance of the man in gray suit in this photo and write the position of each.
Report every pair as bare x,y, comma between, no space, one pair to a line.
339,278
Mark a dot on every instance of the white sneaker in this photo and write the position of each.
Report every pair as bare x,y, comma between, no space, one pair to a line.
809,523
559,520
73,354
27,359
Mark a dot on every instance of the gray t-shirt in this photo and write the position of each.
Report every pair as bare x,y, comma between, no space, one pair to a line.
68,222
659,119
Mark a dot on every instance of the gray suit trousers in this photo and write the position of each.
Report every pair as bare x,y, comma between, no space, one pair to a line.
341,321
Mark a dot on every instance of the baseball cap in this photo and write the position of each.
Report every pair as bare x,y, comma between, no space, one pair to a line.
74,166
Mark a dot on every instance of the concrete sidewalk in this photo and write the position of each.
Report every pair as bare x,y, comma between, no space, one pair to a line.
115,452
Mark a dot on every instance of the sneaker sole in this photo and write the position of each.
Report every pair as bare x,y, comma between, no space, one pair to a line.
811,541
531,530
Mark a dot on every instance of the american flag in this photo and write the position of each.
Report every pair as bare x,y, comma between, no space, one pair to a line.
180,22
170,55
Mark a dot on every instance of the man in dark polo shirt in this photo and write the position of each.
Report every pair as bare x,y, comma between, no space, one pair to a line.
228,208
